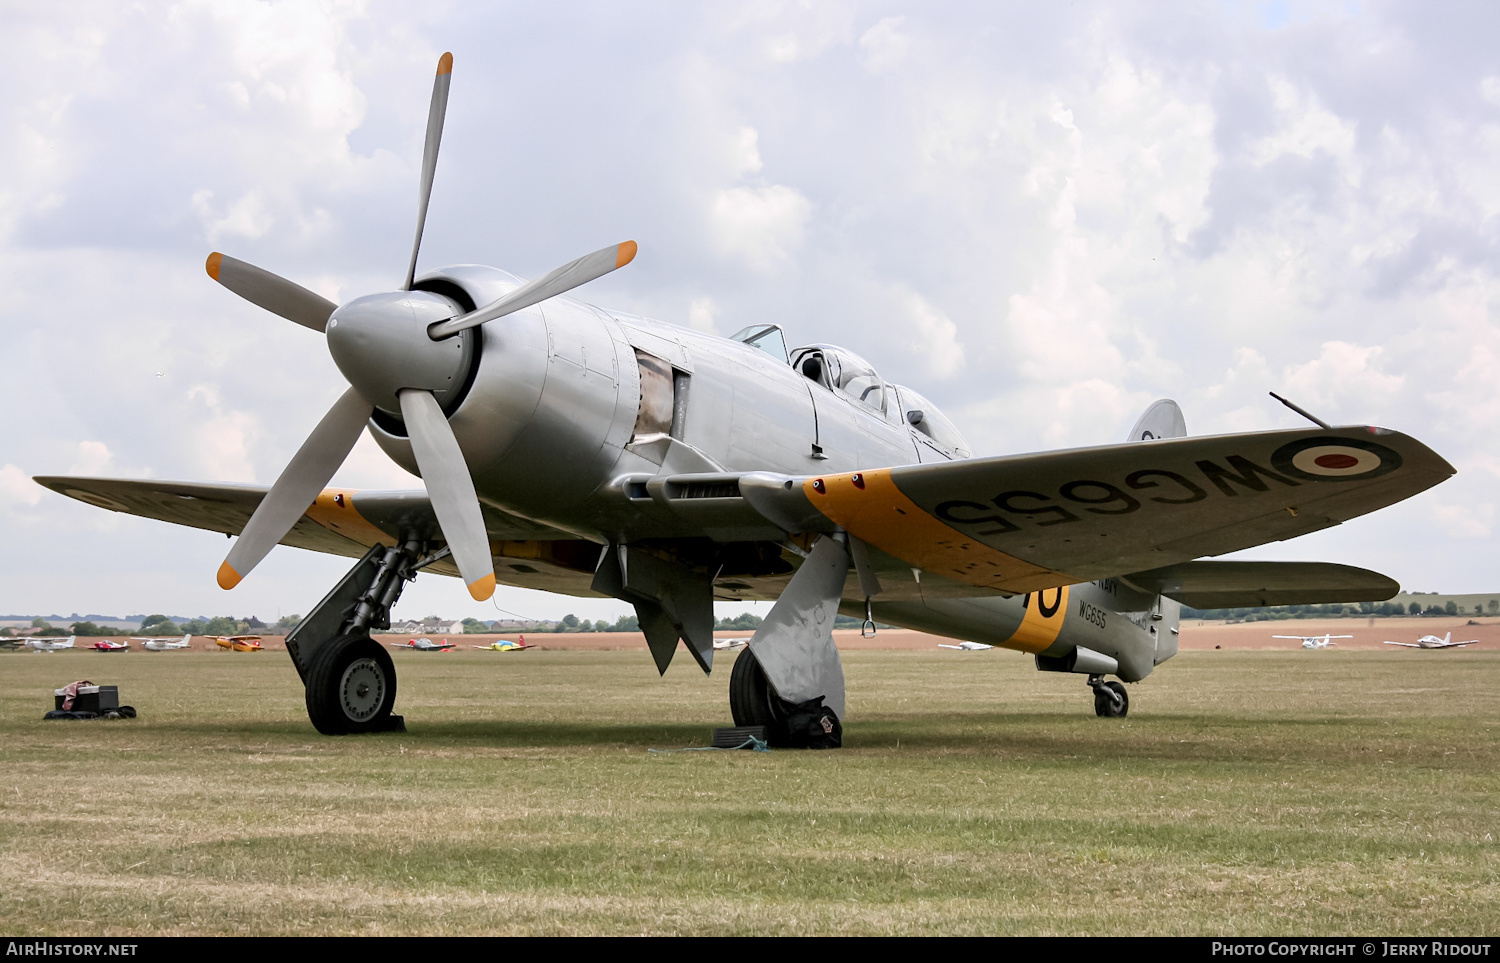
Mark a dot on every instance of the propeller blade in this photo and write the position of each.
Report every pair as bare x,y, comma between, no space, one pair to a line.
300,482
451,490
565,278
271,291
435,114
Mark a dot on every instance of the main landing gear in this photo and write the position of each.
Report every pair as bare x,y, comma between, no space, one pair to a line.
349,677
752,700
1110,698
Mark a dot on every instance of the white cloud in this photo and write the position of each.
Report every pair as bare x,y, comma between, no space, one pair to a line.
1304,127
884,45
763,225
16,488
93,458
1343,375
1465,521
746,152
222,440
1489,89
936,336
246,217
701,314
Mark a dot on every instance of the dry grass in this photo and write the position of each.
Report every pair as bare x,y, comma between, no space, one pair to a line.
1248,792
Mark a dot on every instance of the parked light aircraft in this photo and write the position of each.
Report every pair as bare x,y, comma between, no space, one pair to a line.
151,644
238,643
50,643
110,645
506,645
1314,641
423,645
587,451
721,645
966,646
1433,642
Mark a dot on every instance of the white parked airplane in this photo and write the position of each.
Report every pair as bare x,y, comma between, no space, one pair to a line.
1433,642
966,646
50,643
722,644
162,645
1315,641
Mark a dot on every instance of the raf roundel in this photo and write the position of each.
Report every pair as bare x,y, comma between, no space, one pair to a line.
1319,459
1336,460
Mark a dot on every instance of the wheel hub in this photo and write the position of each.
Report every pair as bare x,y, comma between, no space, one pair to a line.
362,689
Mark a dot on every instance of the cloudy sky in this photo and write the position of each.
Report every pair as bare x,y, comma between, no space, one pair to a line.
1043,216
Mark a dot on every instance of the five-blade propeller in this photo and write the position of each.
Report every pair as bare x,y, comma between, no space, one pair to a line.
450,487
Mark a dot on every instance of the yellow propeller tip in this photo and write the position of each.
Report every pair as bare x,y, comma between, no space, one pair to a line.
482,588
214,261
625,253
445,64
229,578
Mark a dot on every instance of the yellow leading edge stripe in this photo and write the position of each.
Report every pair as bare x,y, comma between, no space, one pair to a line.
880,514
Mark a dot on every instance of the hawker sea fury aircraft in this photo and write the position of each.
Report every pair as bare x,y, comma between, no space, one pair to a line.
579,450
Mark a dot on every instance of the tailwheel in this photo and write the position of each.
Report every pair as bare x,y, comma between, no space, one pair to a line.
1110,699
752,700
351,687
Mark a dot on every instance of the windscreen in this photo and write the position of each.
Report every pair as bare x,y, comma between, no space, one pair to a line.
766,337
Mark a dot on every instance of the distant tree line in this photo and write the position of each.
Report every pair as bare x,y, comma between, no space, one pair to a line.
1270,613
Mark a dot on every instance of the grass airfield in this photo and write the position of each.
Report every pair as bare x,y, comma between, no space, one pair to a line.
1278,792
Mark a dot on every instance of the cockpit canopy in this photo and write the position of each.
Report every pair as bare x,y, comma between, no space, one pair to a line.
846,373
843,371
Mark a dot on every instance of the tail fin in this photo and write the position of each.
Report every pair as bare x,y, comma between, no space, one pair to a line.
1163,419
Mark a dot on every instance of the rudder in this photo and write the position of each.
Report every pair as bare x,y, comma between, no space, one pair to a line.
1163,419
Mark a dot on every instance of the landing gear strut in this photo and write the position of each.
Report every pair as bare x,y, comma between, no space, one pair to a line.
1110,698
350,678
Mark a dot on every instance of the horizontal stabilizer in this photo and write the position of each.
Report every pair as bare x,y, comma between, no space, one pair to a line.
1223,585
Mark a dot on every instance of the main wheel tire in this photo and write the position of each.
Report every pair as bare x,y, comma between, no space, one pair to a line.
752,700
1109,708
351,686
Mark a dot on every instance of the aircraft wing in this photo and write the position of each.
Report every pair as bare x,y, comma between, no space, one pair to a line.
339,522
1022,523
1223,585
1409,645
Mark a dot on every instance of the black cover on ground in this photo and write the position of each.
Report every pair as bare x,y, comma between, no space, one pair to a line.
812,725
121,712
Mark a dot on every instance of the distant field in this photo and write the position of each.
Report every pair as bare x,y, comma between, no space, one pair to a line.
1280,792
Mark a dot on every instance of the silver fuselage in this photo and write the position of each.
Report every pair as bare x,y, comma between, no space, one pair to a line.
555,415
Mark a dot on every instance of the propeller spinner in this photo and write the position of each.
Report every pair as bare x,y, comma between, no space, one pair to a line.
404,352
